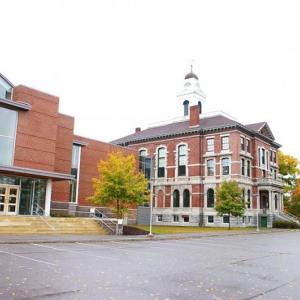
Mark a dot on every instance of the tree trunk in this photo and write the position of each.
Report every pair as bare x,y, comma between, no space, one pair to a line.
229,223
118,209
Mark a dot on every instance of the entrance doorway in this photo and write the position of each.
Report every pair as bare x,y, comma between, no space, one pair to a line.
9,199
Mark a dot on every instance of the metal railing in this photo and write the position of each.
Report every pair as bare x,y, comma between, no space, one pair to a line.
110,224
290,217
40,212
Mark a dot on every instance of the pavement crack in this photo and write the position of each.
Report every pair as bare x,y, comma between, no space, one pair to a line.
52,294
273,289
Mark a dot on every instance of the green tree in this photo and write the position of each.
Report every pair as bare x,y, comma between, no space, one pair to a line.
119,184
230,200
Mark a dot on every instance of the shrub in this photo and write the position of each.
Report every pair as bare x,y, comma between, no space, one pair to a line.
285,224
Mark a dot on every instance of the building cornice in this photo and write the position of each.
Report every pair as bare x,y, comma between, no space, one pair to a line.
14,105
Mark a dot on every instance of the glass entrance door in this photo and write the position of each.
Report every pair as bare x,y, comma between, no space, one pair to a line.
9,200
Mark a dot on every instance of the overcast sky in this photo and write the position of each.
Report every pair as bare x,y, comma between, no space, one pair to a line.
117,65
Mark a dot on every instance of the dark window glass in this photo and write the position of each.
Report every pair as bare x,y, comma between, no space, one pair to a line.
242,144
210,198
161,162
274,157
210,219
176,199
159,218
74,171
225,219
182,160
263,156
225,166
175,218
225,143
248,146
186,198
243,166
248,168
276,202
248,199
186,219
5,89
210,167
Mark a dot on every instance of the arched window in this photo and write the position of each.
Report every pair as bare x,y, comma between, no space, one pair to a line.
249,199
143,152
161,162
186,198
176,199
210,198
182,160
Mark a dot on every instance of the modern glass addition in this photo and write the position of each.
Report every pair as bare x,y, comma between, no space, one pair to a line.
5,90
8,126
76,151
31,195
182,160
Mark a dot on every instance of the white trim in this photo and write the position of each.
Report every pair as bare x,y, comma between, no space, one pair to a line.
78,176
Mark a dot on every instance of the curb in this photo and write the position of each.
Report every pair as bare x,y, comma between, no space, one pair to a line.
140,239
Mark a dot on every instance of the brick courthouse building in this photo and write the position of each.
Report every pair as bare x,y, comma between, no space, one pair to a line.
194,154
43,164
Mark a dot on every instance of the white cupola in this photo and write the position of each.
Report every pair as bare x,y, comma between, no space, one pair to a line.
191,93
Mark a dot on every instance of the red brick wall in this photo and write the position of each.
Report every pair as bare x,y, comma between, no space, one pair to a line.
37,130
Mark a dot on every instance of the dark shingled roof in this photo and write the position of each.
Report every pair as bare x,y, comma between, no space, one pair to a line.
180,127
217,122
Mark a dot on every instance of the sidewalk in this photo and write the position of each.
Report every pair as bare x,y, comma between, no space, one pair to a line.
28,239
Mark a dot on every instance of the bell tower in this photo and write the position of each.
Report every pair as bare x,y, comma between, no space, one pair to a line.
191,93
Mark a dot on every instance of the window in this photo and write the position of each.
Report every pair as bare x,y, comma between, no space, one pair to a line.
210,145
161,162
271,155
248,168
275,174
8,126
225,166
225,142
248,145
5,90
176,198
259,157
243,166
248,199
175,218
159,218
210,198
243,193
186,198
210,167
210,219
274,157
276,202
186,219
145,163
242,144
182,160
263,156
75,165
225,219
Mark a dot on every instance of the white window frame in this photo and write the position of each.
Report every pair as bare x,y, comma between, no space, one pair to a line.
177,160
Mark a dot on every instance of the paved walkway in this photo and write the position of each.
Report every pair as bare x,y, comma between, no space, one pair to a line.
28,239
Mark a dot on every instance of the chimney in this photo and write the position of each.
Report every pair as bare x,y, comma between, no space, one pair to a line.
138,129
194,116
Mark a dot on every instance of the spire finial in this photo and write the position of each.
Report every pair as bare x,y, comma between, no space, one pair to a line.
191,67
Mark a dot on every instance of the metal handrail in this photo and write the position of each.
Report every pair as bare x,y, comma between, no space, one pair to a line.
42,216
290,216
109,223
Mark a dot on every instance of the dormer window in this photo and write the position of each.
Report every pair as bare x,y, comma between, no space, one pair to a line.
5,89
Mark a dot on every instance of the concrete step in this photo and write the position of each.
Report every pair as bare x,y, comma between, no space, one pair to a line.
38,225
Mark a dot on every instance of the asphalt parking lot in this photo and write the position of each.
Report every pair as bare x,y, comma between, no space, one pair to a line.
263,266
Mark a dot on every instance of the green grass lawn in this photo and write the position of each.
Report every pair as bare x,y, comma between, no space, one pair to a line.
188,229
